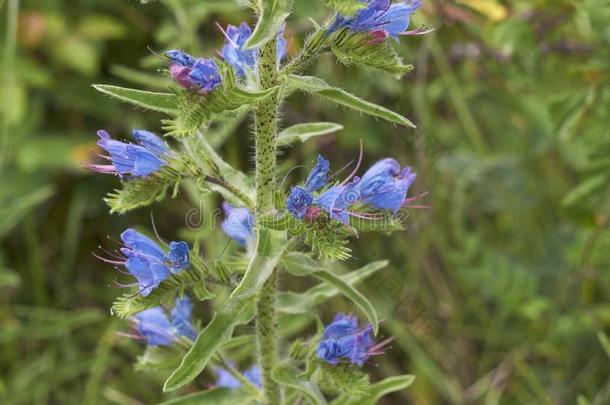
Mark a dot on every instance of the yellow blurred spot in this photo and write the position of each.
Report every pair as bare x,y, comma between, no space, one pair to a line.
84,153
490,8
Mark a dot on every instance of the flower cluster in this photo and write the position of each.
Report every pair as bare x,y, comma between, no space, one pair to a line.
380,18
157,329
203,75
147,262
383,186
137,160
343,339
238,224
226,379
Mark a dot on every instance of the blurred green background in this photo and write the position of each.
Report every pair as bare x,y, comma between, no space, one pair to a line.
497,294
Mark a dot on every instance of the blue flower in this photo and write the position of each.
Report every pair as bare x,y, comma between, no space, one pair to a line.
181,318
238,223
150,141
154,325
244,61
147,262
379,16
343,339
298,201
337,199
233,52
385,185
198,74
226,379
204,75
131,159
318,175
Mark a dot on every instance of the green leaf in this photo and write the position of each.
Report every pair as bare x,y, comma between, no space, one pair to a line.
218,331
314,85
270,20
270,247
345,7
356,50
287,375
300,264
377,390
303,132
189,279
300,303
215,396
141,192
162,102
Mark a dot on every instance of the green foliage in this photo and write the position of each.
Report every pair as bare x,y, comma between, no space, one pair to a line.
140,192
287,375
301,265
162,102
356,50
345,7
192,280
270,247
317,86
375,391
305,132
270,20
218,331
216,396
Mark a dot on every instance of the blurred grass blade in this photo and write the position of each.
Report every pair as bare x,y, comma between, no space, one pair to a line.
162,102
314,85
215,396
300,264
304,132
286,375
218,331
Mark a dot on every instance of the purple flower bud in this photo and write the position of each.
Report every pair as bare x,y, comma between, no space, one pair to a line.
178,256
200,74
238,224
385,185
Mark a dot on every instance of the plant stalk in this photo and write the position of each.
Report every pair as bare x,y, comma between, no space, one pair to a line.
266,118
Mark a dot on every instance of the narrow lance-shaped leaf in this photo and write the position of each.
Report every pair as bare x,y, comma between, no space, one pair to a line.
377,390
300,264
304,132
300,303
218,331
286,375
270,246
314,85
162,102
273,15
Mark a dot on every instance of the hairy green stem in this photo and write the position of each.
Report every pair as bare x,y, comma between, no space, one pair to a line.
266,145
